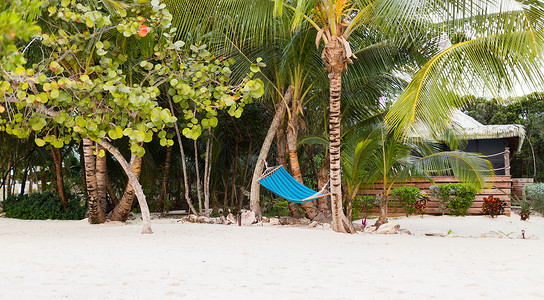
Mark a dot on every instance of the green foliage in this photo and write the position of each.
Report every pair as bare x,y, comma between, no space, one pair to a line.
456,198
407,196
83,85
363,205
16,24
493,206
527,111
200,84
43,206
535,195
525,212
282,208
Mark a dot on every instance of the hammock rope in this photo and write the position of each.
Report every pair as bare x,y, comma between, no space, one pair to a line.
281,183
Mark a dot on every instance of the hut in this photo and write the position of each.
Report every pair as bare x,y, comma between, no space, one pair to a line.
498,143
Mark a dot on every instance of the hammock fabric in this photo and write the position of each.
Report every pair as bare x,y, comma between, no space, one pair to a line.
281,183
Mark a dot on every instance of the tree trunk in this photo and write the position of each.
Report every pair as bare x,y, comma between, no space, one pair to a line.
281,142
133,181
121,211
383,208
23,181
96,215
166,171
254,203
207,166
82,165
111,192
323,203
310,210
244,177
183,163
335,59
101,174
57,159
198,187
233,196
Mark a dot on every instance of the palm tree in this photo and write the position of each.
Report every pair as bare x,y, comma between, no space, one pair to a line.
505,48
489,48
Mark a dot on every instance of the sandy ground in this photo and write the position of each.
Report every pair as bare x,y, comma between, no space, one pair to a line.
75,260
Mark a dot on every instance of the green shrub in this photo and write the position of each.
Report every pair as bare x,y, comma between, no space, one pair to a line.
456,198
535,195
407,196
43,206
362,205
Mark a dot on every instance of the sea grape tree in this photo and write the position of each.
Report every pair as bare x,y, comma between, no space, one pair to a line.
98,76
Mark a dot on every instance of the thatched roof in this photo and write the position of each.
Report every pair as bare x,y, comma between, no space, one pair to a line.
468,128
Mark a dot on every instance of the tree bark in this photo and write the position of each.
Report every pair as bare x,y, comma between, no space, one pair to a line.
254,203
23,181
133,181
166,171
121,211
310,210
323,203
96,215
207,169
198,187
233,195
111,192
281,144
101,183
335,58
183,163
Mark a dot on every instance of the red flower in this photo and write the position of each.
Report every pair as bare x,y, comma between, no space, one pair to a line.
143,30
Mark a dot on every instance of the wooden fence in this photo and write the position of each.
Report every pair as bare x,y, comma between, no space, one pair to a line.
518,184
501,182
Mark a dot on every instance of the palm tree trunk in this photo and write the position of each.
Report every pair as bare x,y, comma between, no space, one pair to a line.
254,204
281,142
335,59
310,210
166,171
323,203
133,181
121,211
96,215
101,173
183,163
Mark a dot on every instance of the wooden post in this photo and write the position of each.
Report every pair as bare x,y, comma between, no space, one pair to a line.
507,161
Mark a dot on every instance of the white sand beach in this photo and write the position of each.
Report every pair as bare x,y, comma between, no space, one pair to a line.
75,260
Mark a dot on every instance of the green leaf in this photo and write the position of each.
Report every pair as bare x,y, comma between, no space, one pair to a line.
55,94
254,68
39,142
38,124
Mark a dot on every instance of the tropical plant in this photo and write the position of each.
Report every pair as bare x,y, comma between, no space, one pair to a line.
456,198
408,197
535,195
43,206
493,206
501,47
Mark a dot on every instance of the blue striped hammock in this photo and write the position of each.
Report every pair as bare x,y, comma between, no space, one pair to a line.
281,183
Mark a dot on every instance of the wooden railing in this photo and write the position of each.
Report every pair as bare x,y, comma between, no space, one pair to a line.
503,183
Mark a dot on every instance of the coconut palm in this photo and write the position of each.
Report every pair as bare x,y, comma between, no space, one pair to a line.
489,48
